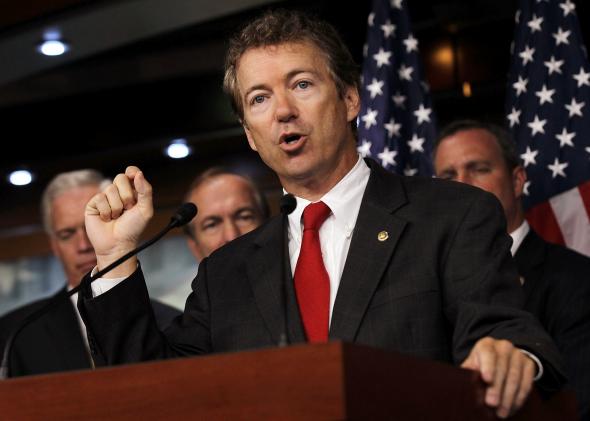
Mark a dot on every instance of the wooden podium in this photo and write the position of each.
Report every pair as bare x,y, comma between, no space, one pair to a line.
335,381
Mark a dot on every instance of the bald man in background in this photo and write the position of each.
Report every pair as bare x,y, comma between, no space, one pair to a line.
229,205
555,279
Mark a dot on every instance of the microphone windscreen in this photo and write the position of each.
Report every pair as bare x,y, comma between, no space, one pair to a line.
288,204
184,214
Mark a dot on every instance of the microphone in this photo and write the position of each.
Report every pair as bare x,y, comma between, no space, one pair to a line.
185,213
287,205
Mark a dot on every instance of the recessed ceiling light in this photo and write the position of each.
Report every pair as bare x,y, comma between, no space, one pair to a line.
20,177
178,149
53,47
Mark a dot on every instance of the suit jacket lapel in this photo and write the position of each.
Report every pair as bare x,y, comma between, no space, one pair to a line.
63,327
269,275
529,259
369,252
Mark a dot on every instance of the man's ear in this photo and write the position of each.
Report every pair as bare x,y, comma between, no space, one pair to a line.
249,135
353,102
518,180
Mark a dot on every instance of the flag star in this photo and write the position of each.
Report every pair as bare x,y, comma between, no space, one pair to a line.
365,50
568,7
554,65
392,128
397,4
545,95
588,149
409,171
529,157
561,36
371,19
565,138
411,43
582,78
370,118
520,86
517,16
422,114
535,23
575,108
364,149
537,125
388,29
399,100
527,55
387,157
382,57
405,72
514,117
525,188
425,86
375,88
557,168
416,143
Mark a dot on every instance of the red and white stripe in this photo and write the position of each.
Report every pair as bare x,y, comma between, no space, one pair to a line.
565,219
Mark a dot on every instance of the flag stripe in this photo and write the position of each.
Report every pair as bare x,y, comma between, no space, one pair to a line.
585,193
568,209
543,221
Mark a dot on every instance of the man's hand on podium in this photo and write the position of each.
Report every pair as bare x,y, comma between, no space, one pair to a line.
507,371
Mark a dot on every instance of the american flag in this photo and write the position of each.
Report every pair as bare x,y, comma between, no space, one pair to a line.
548,107
396,123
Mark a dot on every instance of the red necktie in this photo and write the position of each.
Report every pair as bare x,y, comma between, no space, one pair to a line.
312,284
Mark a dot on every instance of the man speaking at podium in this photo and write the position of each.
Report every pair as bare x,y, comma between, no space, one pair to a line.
419,266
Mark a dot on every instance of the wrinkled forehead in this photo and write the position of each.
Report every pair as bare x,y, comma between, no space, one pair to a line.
467,147
253,64
220,189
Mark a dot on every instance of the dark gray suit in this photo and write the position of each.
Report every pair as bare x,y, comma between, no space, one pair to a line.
557,291
54,342
443,279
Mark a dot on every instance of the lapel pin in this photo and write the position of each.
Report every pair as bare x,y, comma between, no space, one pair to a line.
382,236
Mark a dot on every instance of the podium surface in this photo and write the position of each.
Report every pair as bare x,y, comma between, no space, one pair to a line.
334,381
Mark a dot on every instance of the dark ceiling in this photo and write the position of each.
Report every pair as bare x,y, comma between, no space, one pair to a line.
140,77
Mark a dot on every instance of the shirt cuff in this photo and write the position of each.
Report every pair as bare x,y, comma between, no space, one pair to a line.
101,285
537,363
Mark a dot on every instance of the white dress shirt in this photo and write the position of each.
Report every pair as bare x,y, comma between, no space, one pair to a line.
344,200
518,235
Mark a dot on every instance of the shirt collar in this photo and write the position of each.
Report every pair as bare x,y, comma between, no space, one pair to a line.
518,236
343,199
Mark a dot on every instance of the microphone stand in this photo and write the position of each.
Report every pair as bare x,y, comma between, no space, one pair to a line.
287,205
183,215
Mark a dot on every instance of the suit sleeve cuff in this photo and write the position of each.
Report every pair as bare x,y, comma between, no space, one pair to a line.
537,363
102,285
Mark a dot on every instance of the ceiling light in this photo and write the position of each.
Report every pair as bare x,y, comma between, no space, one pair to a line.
20,177
53,47
178,149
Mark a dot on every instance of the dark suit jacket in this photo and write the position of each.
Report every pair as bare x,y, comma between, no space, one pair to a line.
443,279
54,342
557,291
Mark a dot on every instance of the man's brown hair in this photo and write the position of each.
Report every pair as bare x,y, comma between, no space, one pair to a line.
287,26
